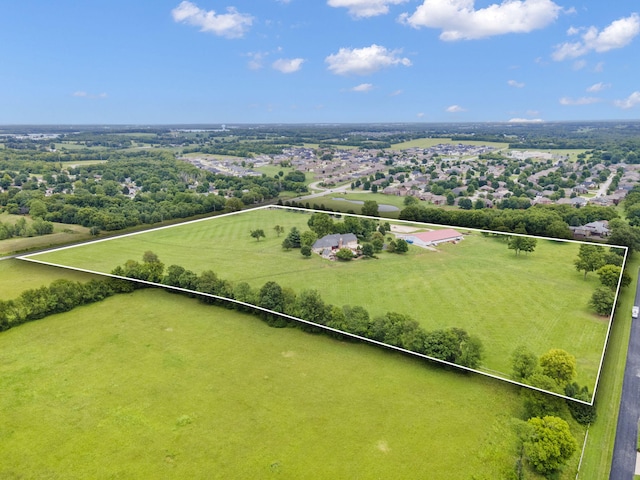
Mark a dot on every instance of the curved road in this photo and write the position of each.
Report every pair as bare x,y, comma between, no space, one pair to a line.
624,451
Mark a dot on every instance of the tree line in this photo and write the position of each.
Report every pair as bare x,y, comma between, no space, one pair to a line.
23,229
60,296
542,220
453,345
546,439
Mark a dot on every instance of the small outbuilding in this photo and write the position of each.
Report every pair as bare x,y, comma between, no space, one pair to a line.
434,237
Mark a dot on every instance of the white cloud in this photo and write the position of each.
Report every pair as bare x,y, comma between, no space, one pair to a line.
618,34
579,65
599,67
526,120
513,83
455,109
396,93
363,87
598,87
459,20
629,102
364,61
256,60
365,8
579,101
288,65
420,115
232,24
83,94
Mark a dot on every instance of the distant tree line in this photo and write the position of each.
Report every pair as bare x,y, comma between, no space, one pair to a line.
97,196
543,220
23,229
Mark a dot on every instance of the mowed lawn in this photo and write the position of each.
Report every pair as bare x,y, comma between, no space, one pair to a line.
17,276
537,299
157,385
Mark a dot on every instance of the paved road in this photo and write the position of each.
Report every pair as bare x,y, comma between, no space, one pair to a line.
324,191
624,452
602,191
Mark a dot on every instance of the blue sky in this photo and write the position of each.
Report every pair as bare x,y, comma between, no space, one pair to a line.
299,61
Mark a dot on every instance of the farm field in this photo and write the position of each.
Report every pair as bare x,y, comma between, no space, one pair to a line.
539,299
156,385
62,233
17,276
337,202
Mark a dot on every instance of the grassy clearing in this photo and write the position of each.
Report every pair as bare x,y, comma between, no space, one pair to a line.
430,142
394,200
81,163
572,153
17,276
539,300
155,385
62,234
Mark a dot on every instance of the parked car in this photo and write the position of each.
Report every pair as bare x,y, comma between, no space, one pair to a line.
634,311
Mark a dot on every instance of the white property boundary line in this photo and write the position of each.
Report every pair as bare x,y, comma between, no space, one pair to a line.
29,257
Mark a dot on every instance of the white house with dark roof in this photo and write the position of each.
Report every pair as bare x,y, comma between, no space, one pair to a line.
331,243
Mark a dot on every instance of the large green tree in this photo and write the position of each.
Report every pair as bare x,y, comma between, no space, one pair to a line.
370,208
609,275
321,224
524,363
257,234
549,444
590,258
293,238
559,365
521,244
602,300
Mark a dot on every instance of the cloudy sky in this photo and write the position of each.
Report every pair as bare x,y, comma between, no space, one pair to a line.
293,61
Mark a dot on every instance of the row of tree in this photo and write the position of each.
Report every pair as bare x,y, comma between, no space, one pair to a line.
60,296
453,344
23,229
608,266
542,220
547,441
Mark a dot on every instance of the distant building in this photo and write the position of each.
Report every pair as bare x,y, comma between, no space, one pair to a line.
434,237
594,229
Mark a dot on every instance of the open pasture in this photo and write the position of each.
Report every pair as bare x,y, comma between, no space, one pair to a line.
156,385
538,299
62,233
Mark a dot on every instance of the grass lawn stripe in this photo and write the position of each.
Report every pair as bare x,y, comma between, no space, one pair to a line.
154,385
538,299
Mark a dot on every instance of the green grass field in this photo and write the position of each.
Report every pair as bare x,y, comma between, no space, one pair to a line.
539,300
62,234
155,385
54,375
17,276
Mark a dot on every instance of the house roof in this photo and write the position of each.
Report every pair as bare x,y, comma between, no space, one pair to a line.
437,235
329,241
